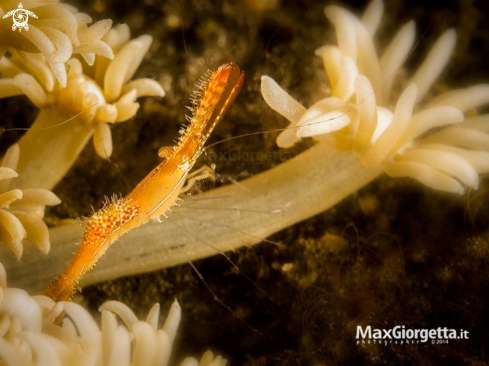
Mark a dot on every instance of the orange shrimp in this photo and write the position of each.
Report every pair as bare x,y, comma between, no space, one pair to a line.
157,192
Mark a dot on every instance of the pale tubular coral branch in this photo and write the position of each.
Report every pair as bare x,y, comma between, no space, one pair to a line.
344,23
59,70
7,173
121,348
153,316
89,58
368,62
61,42
367,113
209,360
81,18
9,165
145,346
427,119
90,101
372,15
145,41
206,360
154,348
90,39
123,311
36,230
126,106
60,32
58,17
341,70
377,134
8,197
30,87
479,160
427,175
394,56
3,277
45,347
302,187
18,304
21,212
37,37
115,38
4,323
164,349
434,63
36,65
85,324
102,140
69,116
358,46
10,354
12,232
42,167
144,87
324,124
173,319
106,113
109,328
125,63
464,99
462,137
384,144
331,56
447,162
480,122
323,117
37,197
280,101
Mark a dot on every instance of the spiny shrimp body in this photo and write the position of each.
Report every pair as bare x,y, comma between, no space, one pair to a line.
158,191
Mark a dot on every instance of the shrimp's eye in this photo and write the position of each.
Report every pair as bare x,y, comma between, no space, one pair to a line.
165,152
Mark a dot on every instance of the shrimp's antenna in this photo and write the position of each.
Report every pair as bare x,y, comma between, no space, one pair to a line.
49,127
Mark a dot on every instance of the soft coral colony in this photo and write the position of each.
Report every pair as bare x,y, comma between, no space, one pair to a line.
30,334
363,116
22,210
59,32
79,102
75,101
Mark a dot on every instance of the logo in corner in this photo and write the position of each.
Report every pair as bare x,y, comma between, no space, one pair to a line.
20,17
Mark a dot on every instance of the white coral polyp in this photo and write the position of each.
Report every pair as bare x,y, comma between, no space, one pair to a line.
30,334
367,121
22,211
93,98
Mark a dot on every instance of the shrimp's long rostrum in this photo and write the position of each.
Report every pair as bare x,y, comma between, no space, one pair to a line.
157,192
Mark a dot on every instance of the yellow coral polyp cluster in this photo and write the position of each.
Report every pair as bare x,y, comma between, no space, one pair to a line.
22,211
106,96
31,335
58,32
361,116
92,98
